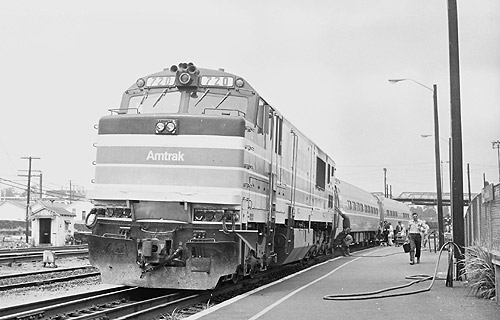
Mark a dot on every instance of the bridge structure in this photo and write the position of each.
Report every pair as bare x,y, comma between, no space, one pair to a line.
430,198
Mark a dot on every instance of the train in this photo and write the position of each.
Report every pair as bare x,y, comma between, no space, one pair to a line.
199,181
368,212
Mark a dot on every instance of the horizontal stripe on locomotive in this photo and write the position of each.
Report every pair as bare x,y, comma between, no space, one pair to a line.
170,176
186,124
191,194
201,141
173,156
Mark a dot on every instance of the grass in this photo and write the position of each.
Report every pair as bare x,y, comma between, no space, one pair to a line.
178,314
480,272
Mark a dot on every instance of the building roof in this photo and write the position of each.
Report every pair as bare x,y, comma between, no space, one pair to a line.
55,209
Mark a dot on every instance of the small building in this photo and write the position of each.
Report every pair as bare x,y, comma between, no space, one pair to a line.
50,224
80,209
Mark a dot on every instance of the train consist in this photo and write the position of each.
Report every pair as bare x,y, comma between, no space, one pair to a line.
199,180
366,211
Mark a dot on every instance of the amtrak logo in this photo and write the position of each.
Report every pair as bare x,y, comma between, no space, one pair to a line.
165,156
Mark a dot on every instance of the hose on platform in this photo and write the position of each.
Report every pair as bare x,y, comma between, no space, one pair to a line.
376,294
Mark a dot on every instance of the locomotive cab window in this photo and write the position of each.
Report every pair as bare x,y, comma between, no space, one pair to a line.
154,101
320,174
217,103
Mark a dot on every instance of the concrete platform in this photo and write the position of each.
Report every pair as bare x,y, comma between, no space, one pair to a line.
301,296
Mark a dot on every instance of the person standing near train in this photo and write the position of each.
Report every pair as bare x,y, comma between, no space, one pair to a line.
344,239
415,227
425,234
390,236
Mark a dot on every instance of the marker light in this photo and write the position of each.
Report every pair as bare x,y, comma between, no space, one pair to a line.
140,82
239,82
91,220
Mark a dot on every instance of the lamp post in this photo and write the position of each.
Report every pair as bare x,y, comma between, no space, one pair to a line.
437,156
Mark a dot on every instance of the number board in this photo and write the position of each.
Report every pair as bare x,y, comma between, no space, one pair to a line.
214,81
160,81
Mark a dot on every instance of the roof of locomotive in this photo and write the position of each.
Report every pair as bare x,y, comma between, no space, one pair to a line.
202,72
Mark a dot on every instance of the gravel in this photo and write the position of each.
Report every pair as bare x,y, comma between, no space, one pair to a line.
44,292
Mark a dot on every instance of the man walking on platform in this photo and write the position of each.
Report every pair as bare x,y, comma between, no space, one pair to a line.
415,227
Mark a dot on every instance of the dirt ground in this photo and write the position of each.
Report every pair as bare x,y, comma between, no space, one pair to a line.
20,267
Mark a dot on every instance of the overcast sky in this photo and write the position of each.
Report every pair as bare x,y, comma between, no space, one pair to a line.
323,64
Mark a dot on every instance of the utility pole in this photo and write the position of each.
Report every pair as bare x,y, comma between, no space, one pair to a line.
41,192
28,196
439,191
456,136
70,192
385,182
496,145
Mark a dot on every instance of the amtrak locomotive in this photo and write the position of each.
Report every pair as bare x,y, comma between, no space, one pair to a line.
199,180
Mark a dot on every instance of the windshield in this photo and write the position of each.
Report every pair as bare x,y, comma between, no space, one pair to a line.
204,101
155,102
208,102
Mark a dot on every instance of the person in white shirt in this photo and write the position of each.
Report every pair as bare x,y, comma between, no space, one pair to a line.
425,234
415,227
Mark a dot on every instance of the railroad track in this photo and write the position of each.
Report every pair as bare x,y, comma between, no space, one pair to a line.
30,279
114,303
22,256
126,303
41,249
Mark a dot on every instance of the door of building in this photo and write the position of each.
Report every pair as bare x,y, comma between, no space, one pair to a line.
45,231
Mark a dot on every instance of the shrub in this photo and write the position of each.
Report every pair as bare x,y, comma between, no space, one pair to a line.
480,271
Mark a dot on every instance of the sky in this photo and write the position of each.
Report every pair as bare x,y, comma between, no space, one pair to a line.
324,65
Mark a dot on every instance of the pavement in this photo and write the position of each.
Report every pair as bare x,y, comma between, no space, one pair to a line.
302,295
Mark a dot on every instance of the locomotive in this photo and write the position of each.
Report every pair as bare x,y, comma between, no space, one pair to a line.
199,180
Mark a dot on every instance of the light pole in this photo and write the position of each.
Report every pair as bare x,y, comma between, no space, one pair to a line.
496,145
437,156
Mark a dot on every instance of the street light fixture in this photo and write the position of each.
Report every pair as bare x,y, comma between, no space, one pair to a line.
437,156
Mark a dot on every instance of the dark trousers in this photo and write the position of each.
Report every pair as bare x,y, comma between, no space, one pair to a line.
415,245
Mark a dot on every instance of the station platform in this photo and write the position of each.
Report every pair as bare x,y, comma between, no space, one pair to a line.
301,296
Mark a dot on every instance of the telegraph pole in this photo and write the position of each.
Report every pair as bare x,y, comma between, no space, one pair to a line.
28,196
70,192
385,182
456,135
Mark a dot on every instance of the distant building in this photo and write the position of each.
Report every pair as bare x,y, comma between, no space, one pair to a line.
80,209
50,224
12,210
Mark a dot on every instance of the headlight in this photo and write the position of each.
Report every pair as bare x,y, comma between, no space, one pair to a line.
171,126
166,126
160,126
184,78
